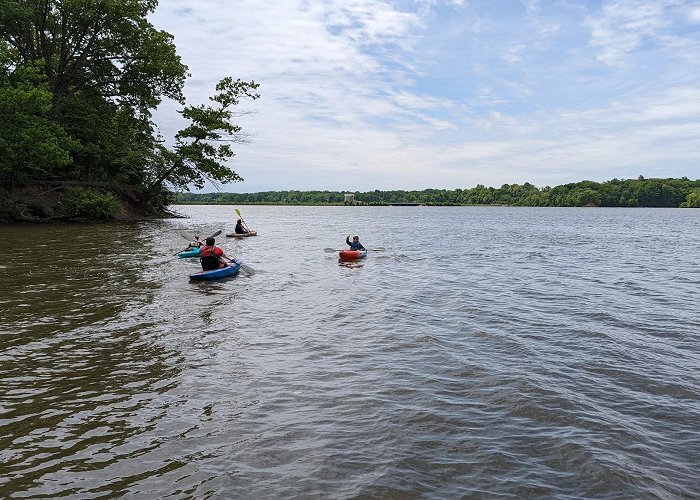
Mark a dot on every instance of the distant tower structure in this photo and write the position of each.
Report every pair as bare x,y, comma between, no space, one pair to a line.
349,198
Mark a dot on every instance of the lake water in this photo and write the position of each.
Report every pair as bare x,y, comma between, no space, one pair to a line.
487,352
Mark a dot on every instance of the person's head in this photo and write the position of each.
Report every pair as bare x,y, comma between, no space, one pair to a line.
239,221
355,238
210,241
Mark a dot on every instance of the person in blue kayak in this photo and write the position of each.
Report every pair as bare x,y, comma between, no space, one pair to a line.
240,229
355,243
212,256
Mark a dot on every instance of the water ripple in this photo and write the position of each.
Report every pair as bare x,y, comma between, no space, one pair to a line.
504,352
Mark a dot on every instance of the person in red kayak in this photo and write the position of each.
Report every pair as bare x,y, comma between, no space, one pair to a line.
212,256
355,243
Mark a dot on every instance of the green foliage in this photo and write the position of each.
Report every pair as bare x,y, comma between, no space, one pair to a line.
107,47
614,193
78,83
91,204
692,200
203,147
31,144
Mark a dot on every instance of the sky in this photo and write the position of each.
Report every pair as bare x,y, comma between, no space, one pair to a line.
382,94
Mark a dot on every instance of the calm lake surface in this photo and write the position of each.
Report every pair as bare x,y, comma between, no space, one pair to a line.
488,352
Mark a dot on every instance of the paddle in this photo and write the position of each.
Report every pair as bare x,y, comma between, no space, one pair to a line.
238,212
183,250
197,239
244,268
331,250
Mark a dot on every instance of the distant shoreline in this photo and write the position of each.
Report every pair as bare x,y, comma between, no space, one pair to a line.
230,204
343,204
74,201
640,192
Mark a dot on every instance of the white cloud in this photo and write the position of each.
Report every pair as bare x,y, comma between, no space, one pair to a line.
414,101
624,25
514,53
694,15
352,99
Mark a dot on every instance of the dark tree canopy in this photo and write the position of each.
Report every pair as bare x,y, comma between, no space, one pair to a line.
102,48
79,80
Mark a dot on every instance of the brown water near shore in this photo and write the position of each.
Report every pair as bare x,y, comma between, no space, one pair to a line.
486,352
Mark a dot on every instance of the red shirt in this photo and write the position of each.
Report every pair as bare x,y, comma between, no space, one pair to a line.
206,251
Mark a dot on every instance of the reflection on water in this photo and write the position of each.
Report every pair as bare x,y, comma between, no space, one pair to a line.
81,383
519,352
350,264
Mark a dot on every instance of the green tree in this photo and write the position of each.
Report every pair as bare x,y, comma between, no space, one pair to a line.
585,196
203,147
692,200
105,67
31,144
78,83
103,47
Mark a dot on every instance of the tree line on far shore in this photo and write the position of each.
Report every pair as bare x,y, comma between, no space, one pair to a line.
640,192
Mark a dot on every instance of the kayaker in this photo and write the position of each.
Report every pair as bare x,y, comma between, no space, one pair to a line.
239,228
212,256
355,243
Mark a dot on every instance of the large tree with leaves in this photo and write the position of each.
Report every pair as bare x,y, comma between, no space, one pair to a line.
202,149
79,80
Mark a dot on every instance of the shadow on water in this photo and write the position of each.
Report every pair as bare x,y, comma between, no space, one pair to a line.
82,380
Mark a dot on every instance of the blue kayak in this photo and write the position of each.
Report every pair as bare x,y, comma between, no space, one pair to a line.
215,274
186,254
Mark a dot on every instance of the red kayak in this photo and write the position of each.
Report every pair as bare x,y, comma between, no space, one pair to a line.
352,254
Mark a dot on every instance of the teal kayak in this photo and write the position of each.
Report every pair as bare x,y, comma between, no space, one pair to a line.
186,254
215,274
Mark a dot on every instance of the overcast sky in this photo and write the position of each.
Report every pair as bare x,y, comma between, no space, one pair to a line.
382,94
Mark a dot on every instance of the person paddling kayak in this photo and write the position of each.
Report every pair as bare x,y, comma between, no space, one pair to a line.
212,256
239,228
355,243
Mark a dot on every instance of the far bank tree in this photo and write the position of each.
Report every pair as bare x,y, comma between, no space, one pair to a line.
641,192
79,81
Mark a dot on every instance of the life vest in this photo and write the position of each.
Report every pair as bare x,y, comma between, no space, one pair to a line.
209,257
